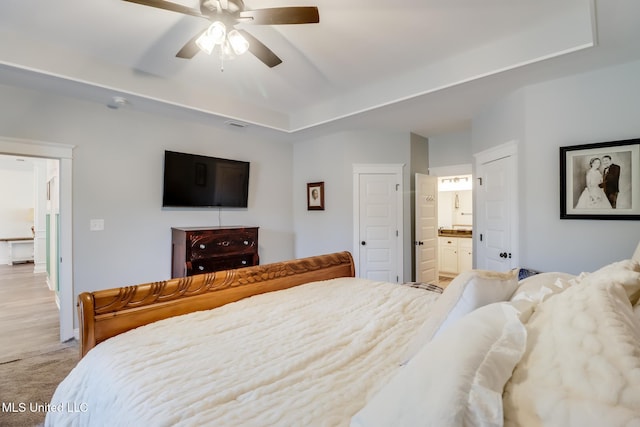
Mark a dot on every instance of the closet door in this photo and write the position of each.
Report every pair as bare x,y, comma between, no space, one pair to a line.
378,223
497,208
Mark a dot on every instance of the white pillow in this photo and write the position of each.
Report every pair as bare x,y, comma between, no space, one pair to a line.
582,362
625,273
542,286
636,254
467,291
456,379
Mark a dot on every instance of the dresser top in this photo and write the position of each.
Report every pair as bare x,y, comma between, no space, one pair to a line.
219,227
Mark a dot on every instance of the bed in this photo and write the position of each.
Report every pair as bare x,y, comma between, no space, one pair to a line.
304,342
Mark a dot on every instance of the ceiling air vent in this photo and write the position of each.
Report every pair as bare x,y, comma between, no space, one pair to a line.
235,124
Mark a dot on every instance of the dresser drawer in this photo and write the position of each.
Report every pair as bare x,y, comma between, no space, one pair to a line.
203,245
197,250
209,265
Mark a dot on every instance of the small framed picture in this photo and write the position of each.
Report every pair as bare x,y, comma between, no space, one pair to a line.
315,196
600,181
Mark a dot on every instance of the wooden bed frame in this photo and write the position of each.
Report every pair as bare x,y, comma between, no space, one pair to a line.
107,313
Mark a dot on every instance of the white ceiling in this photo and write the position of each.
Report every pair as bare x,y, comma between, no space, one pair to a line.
423,66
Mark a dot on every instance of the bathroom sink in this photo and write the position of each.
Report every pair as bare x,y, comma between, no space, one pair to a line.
454,232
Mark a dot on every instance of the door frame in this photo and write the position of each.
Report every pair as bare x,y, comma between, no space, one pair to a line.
386,169
63,153
506,150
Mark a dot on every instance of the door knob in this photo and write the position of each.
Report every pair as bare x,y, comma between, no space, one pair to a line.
503,254
363,243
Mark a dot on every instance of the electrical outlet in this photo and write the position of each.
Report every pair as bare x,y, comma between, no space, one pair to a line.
96,224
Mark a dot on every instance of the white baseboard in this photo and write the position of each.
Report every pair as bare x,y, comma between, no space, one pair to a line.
51,288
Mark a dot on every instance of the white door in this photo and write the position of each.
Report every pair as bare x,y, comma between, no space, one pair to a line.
497,210
378,227
426,219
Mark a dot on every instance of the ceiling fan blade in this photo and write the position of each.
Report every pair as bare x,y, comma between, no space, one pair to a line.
190,49
282,15
260,51
167,5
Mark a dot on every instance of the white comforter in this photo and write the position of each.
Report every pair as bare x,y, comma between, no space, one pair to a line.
307,356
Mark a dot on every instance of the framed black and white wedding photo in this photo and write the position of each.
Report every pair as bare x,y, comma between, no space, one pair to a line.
600,181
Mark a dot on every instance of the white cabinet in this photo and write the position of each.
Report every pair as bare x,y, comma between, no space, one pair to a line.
456,255
465,254
448,247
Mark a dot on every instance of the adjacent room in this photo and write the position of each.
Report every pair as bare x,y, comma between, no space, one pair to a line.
149,149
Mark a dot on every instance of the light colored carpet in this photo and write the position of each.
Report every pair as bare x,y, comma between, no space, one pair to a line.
27,384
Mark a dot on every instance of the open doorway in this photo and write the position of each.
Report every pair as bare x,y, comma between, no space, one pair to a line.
62,155
30,317
455,224
455,220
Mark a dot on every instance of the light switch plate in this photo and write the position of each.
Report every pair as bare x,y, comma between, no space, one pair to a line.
96,224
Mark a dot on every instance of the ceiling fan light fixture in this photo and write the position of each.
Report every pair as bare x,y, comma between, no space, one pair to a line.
214,35
238,43
232,13
226,51
205,43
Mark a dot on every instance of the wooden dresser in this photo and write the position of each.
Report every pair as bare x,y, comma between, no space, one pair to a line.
197,250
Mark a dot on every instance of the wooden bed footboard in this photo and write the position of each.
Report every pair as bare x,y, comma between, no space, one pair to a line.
106,313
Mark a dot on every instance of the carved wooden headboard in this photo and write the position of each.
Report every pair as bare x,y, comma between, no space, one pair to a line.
106,313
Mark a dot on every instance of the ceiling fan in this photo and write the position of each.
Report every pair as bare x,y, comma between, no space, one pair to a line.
227,14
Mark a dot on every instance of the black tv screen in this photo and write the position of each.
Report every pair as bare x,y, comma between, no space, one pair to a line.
191,180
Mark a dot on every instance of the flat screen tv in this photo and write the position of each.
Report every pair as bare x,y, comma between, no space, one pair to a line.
192,180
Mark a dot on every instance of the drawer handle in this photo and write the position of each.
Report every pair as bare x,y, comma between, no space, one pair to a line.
244,262
201,267
202,246
226,243
246,242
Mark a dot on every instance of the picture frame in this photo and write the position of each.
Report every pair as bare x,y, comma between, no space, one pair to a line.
315,196
600,181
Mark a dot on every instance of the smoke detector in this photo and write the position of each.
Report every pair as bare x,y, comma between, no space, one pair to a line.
118,102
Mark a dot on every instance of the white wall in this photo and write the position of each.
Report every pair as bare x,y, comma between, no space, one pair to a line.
17,193
450,216
330,159
117,176
499,123
118,171
592,107
450,149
